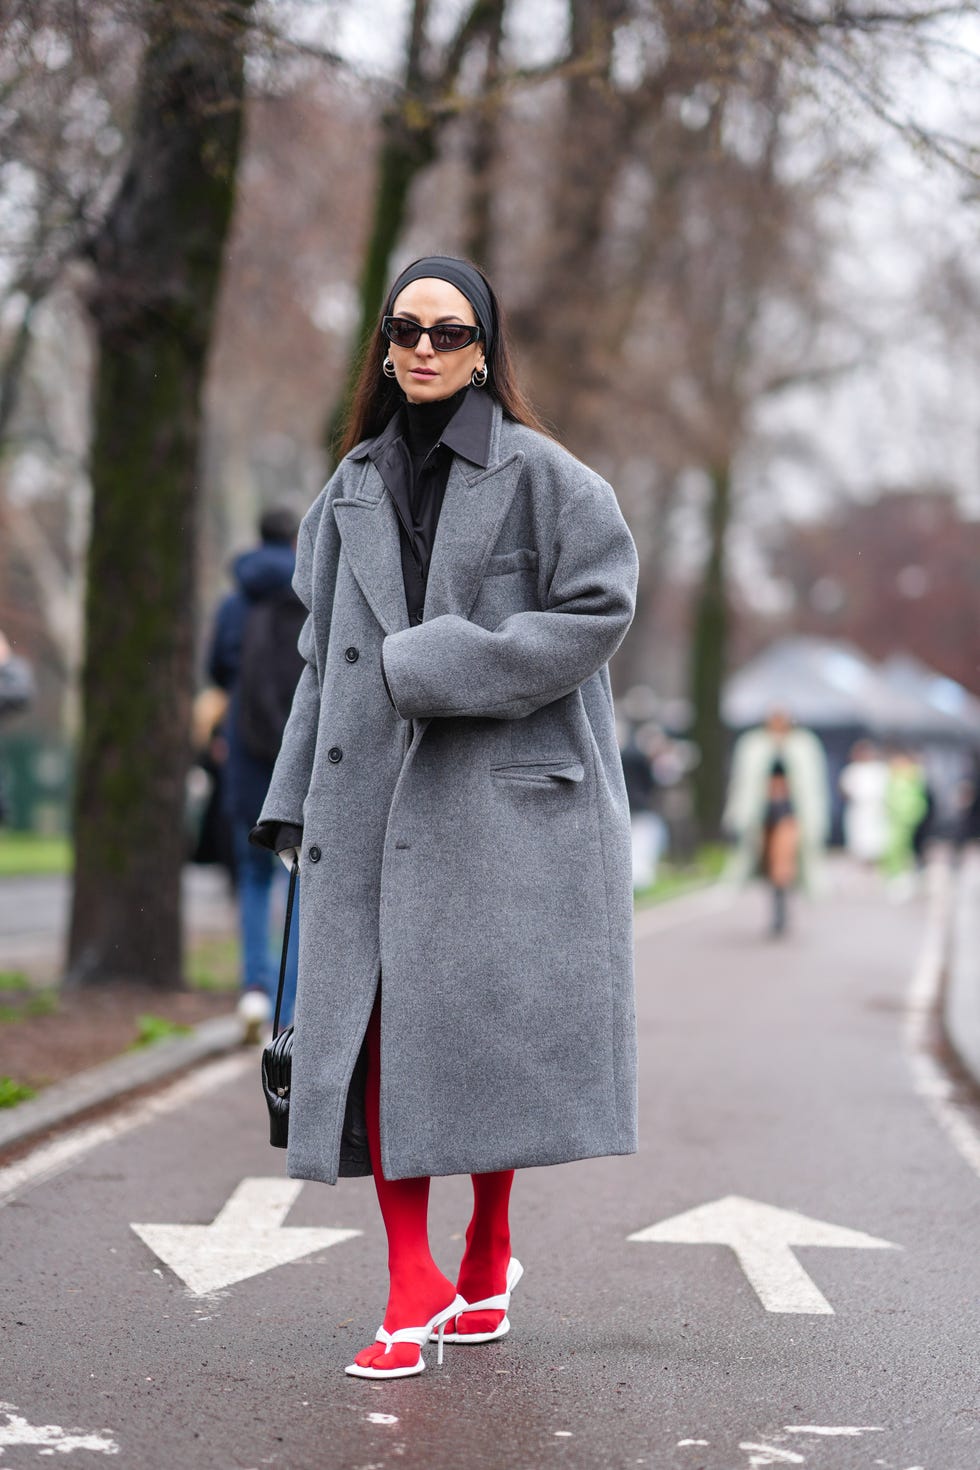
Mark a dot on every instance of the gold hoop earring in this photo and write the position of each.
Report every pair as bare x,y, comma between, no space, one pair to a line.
388,368
478,376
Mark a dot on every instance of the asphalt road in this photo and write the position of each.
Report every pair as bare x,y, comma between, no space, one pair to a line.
34,914
788,1074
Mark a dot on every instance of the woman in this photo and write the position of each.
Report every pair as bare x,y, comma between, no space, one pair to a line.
789,759
864,786
451,777
906,808
780,843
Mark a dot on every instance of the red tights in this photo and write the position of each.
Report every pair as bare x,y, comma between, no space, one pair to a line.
417,1288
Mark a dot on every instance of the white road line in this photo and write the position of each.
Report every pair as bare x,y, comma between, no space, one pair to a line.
55,1157
53,1439
929,1079
834,1429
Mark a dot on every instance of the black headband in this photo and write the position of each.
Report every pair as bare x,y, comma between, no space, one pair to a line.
458,273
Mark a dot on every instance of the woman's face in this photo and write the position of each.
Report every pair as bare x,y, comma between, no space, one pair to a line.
423,374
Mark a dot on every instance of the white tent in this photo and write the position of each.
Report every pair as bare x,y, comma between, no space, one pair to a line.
942,695
829,685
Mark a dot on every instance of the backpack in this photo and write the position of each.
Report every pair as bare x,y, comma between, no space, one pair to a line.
16,684
270,669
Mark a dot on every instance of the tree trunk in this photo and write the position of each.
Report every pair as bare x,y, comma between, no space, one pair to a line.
560,325
405,152
410,138
709,654
157,264
484,147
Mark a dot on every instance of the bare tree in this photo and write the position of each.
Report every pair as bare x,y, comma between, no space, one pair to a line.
895,575
673,309
410,130
64,94
65,89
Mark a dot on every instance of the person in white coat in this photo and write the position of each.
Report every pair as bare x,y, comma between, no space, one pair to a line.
779,773
864,786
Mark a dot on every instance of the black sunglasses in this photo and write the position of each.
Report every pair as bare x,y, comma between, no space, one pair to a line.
444,336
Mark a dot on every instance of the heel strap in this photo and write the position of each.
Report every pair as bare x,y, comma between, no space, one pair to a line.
501,1302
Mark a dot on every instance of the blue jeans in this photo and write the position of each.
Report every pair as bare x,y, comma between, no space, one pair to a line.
260,873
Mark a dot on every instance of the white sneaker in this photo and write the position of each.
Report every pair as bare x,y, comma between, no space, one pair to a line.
255,1013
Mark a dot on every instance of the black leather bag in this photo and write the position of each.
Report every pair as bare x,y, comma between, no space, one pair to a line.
277,1057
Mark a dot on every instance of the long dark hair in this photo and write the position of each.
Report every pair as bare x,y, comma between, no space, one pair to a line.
376,398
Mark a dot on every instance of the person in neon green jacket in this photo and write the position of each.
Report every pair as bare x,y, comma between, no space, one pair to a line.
906,803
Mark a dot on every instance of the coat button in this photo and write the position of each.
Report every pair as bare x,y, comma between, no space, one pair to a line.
335,754
351,655
418,617
314,854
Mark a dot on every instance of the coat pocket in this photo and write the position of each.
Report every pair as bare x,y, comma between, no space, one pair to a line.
554,772
524,559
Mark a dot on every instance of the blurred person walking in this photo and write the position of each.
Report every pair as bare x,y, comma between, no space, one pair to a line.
210,830
451,775
864,786
778,809
254,658
16,693
907,805
647,828
780,843
966,824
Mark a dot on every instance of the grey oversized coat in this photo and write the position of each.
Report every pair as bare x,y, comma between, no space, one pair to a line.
465,831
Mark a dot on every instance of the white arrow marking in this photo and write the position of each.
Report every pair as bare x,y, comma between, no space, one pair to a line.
246,1238
52,1437
762,1238
767,1454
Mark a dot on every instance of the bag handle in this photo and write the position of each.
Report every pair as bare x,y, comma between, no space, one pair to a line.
293,875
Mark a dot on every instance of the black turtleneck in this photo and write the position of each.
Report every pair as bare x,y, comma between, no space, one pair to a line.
425,422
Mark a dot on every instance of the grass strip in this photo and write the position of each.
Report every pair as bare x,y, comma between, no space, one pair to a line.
27,855
12,1093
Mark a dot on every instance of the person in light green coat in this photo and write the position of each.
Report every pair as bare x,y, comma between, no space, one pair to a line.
906,803
799,758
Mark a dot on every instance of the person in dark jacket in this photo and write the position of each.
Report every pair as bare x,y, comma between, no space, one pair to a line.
646,824
16,693
253,656
967,822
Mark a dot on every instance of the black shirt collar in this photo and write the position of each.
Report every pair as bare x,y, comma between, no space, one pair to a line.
467,433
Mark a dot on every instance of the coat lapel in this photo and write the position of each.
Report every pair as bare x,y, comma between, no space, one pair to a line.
472,516
368,529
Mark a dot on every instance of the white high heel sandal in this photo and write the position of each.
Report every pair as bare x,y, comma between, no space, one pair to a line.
434,1331
492,1304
